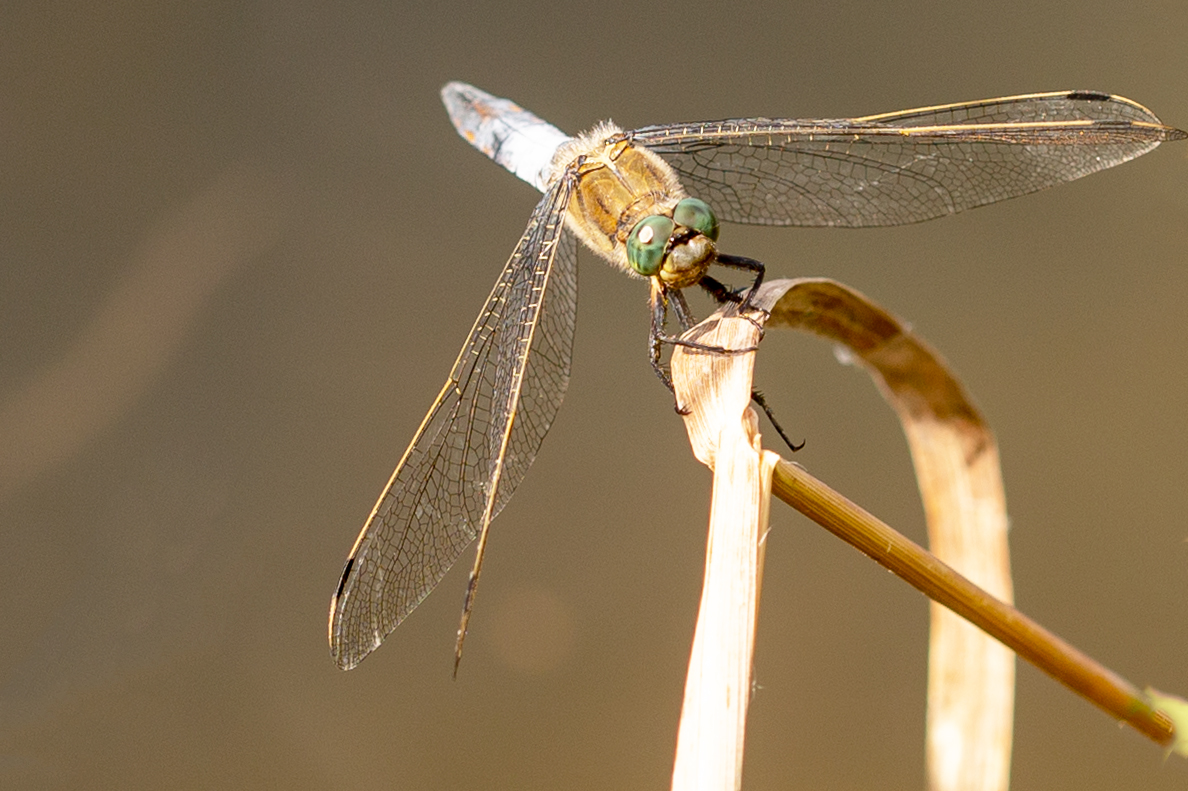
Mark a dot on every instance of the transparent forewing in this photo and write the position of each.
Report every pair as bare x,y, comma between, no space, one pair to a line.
477,441
902,167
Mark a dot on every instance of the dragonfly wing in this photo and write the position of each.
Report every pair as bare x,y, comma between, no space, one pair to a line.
902,167
476,443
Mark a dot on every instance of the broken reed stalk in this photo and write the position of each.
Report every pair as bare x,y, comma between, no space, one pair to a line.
971,676
724,434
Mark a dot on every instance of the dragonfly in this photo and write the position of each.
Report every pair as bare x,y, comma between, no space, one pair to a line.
650,202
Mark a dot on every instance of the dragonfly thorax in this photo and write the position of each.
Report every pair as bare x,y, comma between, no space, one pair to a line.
616,186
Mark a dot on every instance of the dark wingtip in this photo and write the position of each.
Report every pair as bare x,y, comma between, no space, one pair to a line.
1168,132
1088,96
346,572
344,662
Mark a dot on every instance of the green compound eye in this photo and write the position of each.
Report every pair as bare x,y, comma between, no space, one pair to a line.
696,214
645,245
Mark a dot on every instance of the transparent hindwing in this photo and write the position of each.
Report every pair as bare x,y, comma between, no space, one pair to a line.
476,443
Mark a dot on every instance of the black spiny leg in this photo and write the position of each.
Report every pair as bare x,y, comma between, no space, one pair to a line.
761,402
719,291
722,294
681,308
750,265
659,303
657,337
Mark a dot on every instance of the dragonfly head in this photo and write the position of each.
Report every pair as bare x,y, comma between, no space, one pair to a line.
676,249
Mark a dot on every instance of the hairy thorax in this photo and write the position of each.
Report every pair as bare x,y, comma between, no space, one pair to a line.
616,184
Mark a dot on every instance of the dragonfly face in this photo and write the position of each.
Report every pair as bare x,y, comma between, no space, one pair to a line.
642,200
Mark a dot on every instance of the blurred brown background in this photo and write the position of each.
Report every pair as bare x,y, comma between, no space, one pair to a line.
240,247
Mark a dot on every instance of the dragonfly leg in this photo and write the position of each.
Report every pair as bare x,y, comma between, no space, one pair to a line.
681,308
659,304
659,300
657,338
750,265
761,402
704,347
719,291
688,320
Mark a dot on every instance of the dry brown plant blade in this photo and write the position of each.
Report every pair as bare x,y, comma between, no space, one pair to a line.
971,676
957,463
715,389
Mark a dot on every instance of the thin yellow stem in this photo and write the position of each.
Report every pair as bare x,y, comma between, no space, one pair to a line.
925,572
